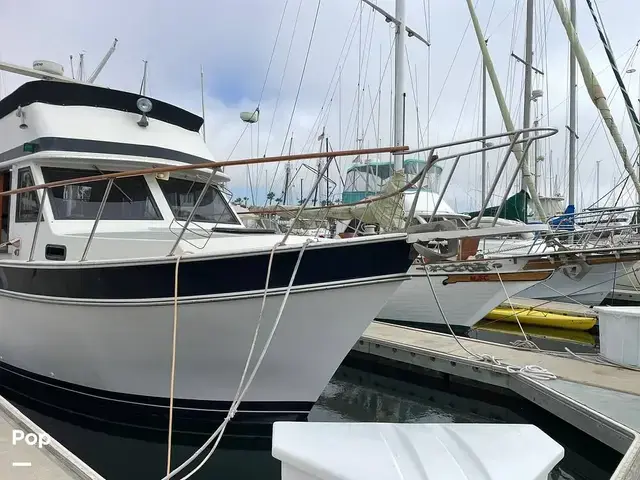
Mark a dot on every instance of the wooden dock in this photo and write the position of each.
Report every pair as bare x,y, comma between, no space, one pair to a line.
26,462
601,400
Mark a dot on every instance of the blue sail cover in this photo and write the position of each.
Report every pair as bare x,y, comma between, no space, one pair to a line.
566,221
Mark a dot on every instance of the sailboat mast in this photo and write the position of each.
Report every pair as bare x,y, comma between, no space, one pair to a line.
287,172
326,141
399,82
635,123
81,68
484,131
504,110
572,112
204,130
528,63
595,92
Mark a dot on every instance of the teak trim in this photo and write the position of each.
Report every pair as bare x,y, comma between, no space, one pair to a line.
494,277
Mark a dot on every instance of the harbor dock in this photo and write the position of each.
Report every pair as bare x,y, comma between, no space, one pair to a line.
624,296
601,400
27,452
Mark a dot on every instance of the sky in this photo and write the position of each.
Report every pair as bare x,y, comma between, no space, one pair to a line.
314,65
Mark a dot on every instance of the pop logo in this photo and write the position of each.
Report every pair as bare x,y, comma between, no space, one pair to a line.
30,439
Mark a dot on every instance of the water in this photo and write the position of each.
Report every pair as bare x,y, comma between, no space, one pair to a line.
356,393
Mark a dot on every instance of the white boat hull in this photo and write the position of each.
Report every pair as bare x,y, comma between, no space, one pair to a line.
124,352
100,333
591,289
464,302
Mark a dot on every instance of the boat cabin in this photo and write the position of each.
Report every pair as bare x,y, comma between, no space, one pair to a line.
368,177
53,131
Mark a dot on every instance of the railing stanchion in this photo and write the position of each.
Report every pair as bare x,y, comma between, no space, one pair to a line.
38,220
98,216
193,210
444,188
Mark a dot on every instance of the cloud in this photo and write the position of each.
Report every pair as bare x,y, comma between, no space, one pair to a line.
234,41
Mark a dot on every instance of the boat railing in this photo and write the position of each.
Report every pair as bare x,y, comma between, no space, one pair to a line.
511,140
501,140
213,166
596,226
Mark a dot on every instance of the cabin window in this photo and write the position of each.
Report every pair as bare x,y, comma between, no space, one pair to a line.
182,195
128,199
28,204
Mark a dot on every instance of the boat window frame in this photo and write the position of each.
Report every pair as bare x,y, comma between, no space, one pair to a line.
232,214
88,172
19,215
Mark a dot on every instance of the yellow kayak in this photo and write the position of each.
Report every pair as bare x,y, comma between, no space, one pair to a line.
529,316
576,336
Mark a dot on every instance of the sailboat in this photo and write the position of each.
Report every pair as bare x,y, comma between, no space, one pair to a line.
591,279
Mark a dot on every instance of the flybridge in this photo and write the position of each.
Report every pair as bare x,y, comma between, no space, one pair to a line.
98,121
79,94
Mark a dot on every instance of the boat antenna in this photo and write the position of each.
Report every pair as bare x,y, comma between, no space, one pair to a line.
103,62
71,62
143,84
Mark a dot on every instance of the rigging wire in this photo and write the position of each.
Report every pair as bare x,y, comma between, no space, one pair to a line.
295,102
446,78
265,80
330,93
284,72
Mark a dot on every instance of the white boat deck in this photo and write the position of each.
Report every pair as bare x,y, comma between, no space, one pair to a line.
601,400
24,462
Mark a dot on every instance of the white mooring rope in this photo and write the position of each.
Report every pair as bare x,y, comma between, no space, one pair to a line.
534,372
242,390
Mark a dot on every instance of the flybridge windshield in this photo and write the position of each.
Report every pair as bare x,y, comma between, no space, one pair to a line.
182,195
128,199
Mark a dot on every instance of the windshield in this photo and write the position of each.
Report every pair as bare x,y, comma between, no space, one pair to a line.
182,195
128,199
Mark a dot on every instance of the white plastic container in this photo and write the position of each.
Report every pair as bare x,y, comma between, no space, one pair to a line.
620,334
413,451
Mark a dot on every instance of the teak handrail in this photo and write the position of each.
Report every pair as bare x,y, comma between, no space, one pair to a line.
214,164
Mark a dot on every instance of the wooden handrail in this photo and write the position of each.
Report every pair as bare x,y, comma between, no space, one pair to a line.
228,163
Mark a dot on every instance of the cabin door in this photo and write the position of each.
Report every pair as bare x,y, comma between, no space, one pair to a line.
5,208
26,212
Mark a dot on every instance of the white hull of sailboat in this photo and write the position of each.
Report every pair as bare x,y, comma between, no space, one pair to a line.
465,297
591,289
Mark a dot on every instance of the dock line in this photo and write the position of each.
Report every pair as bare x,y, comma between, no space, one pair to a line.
531,371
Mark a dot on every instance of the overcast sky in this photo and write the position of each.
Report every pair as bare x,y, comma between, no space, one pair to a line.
234,41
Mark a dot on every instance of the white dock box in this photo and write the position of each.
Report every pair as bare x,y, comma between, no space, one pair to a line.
620,334
413,451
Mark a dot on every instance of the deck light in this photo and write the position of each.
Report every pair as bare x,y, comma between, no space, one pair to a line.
145,106
21,115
